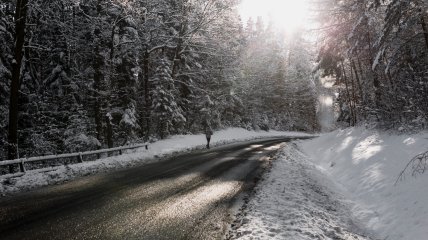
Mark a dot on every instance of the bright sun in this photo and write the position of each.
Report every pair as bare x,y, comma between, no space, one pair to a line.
286,14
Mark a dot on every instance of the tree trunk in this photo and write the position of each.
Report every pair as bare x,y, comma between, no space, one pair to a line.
177,55
20,24
98,78
351,111
109,133
357,76
424,28
354,96
147,104
376,82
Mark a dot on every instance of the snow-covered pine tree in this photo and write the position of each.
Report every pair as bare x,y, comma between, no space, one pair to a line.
212,69
124,52
300,91
167,115
6,20
403,57
276,83
377,51
51,76
79,135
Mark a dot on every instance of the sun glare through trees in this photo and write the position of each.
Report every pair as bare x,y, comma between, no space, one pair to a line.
288,15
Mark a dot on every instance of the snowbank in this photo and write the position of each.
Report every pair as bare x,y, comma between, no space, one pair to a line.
296,201
140,156
366,164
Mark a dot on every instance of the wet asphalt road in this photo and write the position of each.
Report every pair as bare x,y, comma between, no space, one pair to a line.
186,197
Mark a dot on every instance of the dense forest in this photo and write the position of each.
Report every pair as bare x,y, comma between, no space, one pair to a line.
77,75
377,52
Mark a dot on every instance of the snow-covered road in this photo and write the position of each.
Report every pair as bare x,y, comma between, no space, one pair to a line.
296,201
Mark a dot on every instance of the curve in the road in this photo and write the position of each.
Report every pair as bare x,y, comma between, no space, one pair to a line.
185,197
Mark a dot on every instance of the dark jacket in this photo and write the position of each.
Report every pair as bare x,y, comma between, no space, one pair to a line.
208,133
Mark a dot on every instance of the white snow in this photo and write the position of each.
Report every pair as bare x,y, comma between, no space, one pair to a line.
377,59
296,201
156,150
366,164
338,186
341,186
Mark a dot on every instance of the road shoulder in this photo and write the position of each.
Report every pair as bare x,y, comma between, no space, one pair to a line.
295,200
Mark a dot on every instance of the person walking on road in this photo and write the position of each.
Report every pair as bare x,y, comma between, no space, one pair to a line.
208,134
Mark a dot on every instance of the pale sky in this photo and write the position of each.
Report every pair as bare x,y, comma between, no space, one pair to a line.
286,14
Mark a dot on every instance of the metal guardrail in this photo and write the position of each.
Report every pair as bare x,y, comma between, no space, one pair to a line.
78,156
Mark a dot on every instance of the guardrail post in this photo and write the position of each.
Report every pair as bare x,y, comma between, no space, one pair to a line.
120,151
21,165
147,146
80,158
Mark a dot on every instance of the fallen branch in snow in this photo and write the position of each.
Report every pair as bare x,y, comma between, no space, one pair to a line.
418,165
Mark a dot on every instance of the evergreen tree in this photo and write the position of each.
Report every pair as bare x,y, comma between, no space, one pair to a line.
6,36
377,53
166,111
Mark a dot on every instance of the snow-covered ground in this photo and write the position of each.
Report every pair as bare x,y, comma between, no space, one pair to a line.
340,185
140,156
296,201
367,163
